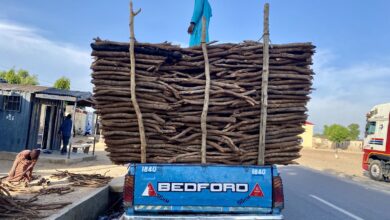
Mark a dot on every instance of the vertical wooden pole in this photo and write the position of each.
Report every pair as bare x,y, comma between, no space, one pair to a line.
264,88
94,134
73,126
132,85
206,92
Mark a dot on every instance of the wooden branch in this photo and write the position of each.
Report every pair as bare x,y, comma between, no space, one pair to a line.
170,92
264,88
206,92
132,85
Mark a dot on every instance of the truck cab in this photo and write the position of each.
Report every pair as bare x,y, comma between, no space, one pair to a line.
376,157
188,191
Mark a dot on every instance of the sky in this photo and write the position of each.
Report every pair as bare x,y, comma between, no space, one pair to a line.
352,64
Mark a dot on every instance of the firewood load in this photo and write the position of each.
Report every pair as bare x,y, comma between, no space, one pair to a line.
170,86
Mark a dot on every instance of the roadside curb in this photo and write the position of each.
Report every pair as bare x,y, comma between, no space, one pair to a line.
67,161
116,184
89,207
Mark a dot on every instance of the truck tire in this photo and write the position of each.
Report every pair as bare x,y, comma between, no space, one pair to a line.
375,170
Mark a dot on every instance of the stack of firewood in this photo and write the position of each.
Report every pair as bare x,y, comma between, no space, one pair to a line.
170,84
12,207
83,180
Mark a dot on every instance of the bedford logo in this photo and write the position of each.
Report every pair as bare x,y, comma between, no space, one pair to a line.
198,187
256,192
149,191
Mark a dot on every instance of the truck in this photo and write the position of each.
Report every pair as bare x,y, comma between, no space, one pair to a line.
376,157
191,191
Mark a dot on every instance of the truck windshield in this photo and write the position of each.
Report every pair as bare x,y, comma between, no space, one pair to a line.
370,127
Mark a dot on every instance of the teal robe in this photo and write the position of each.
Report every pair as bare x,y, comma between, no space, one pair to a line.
201,8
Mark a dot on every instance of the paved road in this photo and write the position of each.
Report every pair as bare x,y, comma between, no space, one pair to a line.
317,195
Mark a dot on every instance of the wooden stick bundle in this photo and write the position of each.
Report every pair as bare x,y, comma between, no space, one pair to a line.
12,207
83,180
170,89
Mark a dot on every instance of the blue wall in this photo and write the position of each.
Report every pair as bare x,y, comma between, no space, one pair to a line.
14,125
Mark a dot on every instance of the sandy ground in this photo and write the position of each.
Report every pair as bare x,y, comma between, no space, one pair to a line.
349,163
100,166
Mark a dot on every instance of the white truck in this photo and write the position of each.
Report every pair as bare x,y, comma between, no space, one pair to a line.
376,158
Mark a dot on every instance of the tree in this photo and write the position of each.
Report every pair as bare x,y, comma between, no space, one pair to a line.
11,77
354,131
336,133
20,77
62,83
326,130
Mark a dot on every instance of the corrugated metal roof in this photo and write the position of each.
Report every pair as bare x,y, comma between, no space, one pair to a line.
22,88
45,90
60,92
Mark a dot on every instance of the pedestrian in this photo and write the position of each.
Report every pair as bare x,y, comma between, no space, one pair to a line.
23,166
202,9
87,130
66,132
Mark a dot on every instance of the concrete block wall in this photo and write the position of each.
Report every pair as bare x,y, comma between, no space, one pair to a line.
323,143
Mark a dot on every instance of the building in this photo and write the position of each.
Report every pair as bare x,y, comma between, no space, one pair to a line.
84,120
307,136
30,116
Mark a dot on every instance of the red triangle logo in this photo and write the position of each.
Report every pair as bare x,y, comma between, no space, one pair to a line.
257,192
149,191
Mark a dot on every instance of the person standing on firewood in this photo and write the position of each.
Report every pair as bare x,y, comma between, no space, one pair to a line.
202,9
23,166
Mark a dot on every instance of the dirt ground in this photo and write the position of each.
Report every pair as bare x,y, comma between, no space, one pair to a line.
100,166
349,163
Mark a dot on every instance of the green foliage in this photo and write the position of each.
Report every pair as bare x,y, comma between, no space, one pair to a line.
23,73
326,130
354,131
62,83
336,133
20,77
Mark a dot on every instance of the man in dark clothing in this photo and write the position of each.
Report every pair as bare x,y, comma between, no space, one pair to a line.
66,132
